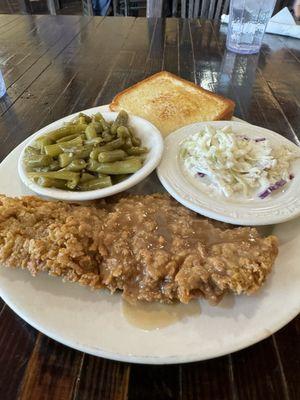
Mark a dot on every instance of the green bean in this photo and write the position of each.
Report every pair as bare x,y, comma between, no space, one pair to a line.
49,182
71,145
71,184
110,156
107,136
123,132
128,144
92,165
31,151
120,167
135,140
66,131
86,177
87,119
71,177
54,166
119,178
76,165
81,120
94,153
98,126
142,157
97,183
61,174
98,117
114,144
81,152
90,132
136,151
121,120
38,161
96,140
67,138
53,150
43,141
65,159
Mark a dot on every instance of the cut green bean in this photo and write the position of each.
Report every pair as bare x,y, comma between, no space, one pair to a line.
97,183
48,182
67,138
71,145
71,184
38,161
107,136
136,141
66,131
119,178
114,144
53,150
94,141
128,144
54,166
90,132
110,156
76,165
123,132
136,151
43,141
65,158
92,165
95,153
61,174
31,151
121,120
87,119
86,177
120,167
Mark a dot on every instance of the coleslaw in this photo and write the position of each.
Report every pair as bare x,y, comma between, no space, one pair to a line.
236,164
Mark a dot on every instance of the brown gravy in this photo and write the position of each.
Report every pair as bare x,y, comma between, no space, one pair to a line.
150,316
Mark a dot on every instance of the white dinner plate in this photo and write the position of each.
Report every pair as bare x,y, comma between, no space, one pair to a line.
279,207
93,321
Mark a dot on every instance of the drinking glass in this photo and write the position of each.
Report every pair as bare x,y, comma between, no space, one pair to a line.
247,24
2,86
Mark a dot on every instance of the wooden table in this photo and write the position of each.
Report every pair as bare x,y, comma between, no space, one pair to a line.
54,66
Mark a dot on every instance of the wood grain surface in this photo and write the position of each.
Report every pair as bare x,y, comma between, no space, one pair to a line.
54,66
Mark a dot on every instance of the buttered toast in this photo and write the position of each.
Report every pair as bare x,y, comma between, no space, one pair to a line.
170,102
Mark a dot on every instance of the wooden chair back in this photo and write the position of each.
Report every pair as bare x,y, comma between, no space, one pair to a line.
211,9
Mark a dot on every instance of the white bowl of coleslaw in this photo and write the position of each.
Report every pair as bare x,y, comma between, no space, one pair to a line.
233,172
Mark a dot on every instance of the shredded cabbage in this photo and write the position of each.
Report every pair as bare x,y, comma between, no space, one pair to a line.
236,164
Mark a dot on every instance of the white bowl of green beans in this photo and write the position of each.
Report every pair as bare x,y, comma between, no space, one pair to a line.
90,155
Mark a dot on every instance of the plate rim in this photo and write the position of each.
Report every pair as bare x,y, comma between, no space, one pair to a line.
153,360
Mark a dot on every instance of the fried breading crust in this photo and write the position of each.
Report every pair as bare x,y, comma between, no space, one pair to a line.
150,247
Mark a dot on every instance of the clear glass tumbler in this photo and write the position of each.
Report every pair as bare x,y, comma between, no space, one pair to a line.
247,24
2,86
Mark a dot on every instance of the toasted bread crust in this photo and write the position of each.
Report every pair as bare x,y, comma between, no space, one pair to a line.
226,114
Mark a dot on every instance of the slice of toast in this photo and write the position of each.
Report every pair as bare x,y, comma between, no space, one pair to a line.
170,102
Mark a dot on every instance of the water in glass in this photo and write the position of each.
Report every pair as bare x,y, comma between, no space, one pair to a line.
2,86
247,23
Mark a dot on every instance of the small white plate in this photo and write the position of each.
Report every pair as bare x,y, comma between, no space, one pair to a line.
279,207
147,132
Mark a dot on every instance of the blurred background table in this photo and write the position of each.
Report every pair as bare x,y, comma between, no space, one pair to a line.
54,66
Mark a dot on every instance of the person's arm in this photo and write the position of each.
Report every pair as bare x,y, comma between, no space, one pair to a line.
296,8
